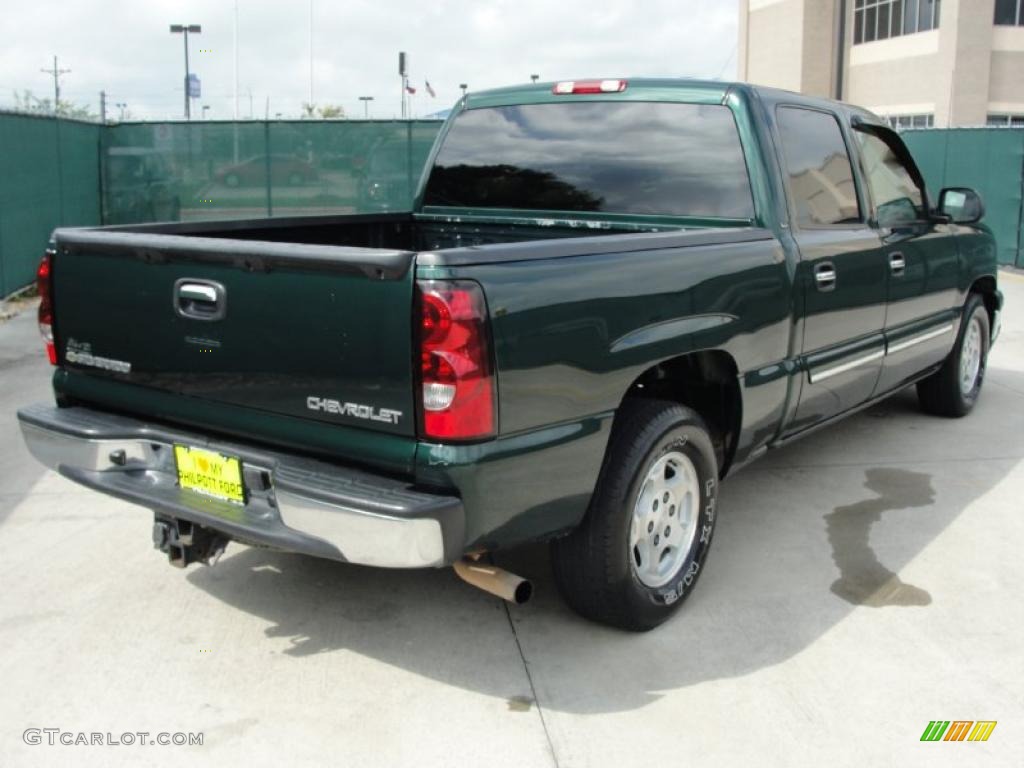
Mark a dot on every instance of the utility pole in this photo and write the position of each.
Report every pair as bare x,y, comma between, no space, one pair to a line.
103,107
311,53
236,69
56,72
235,124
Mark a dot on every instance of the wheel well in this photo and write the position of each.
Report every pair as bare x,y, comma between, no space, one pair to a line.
707,382
986,288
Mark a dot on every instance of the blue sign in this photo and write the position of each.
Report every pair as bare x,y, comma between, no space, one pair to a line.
194,90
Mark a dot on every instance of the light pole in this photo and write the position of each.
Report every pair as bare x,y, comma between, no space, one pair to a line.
366,106
184,29
463,86
121,106
534,78
206,108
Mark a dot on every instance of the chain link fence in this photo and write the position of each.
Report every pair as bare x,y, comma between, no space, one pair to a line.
991,160
68,173
49,177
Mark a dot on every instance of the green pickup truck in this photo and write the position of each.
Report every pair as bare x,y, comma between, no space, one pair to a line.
609,295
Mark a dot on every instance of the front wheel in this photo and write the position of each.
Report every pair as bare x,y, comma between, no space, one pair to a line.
954,388
638,552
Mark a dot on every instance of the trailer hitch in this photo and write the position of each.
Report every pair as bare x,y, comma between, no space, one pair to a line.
186,543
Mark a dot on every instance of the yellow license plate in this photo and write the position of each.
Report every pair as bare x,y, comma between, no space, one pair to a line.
210,473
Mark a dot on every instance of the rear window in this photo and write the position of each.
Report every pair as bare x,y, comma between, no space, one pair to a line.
631,157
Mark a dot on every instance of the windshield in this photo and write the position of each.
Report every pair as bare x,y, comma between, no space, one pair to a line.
629,157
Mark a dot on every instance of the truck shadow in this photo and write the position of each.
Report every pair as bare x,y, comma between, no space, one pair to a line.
24,379
806,535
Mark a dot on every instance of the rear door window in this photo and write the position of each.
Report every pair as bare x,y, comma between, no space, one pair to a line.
818,168
626,157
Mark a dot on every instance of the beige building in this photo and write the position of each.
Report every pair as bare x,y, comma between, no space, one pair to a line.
917,62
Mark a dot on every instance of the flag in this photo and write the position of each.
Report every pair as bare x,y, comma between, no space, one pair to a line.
430,90
410,89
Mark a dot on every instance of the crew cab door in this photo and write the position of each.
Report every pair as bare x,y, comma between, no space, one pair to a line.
920,254
842,272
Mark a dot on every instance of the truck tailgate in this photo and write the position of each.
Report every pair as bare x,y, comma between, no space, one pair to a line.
311,332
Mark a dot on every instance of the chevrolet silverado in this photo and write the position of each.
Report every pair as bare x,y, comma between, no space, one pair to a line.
609,295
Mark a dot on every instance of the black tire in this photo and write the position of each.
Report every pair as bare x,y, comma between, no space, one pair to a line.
942,393
594,566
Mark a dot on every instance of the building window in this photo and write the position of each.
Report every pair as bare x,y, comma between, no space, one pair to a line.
1010,13
903,122
1005,121
882,19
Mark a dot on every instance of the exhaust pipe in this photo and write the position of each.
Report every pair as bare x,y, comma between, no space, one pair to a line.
495,580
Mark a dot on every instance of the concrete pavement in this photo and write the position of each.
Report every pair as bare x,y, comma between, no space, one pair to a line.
863,582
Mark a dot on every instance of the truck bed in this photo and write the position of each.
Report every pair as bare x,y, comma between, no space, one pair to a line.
315,349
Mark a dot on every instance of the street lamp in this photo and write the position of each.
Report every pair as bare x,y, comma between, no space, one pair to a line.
463,86
121,106
184,29
366,105
206,108
534,78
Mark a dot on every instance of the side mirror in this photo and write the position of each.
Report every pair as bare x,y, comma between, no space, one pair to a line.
961,204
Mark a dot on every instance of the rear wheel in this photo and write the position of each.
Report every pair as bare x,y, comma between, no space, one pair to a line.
642,544
954,388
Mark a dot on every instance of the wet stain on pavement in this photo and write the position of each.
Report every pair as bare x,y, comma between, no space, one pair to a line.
519,704
863,579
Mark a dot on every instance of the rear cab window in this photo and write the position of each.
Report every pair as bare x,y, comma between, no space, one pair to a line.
632,157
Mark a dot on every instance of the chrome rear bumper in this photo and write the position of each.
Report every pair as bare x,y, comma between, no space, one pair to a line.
292,503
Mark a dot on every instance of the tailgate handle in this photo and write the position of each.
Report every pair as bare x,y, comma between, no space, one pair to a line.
200,299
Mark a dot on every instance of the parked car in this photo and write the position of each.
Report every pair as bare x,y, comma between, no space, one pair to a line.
284,169
609,296
139,187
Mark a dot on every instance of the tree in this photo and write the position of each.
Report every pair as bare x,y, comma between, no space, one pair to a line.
325,111
26,101
328,111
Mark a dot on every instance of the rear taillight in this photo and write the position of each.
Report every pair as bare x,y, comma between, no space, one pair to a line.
456,375
46,306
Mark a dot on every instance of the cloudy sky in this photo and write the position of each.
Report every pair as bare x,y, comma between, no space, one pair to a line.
126,49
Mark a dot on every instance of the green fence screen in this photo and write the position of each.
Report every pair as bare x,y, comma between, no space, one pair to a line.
991,160
66,173
49,177
213,170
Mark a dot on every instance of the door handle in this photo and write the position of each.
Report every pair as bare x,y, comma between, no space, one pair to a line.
897,263
200,299
825,276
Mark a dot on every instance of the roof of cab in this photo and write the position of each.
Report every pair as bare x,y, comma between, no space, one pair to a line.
661,89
